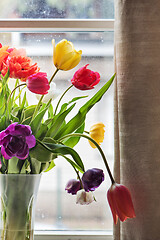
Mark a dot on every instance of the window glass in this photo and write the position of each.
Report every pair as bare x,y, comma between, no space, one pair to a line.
57,9
57,209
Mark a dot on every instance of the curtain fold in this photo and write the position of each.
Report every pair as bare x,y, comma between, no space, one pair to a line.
137,114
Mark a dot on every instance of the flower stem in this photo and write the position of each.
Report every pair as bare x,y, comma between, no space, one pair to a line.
14,90
53,75
99,148
61,98
86,132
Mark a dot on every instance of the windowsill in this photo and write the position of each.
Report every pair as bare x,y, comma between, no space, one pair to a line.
73,235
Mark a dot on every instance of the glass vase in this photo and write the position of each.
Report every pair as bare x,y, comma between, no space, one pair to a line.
18,196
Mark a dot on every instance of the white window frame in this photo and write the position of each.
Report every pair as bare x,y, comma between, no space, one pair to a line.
62,25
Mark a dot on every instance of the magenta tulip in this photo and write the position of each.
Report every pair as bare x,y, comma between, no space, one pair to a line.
38,83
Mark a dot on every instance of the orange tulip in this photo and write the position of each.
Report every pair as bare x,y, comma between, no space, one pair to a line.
120,202
20,67
3,54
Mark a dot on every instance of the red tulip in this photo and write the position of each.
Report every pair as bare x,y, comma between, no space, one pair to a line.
38,83
85,79
120,202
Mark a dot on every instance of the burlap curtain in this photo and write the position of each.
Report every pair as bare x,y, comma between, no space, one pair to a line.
137,114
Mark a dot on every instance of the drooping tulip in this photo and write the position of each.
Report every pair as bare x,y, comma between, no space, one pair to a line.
97,133
73,186
85,79
120,202
65,57
38,83
92,179
84,198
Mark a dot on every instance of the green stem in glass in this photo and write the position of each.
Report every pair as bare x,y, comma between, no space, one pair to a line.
99,148
61,98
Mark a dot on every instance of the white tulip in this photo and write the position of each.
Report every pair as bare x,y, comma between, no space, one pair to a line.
53,92
84,198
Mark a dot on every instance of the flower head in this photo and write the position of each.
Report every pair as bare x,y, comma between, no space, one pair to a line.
84,198
120,202
73,186
16,140
38,83
85,79
65,57
19,67
92,179
97,133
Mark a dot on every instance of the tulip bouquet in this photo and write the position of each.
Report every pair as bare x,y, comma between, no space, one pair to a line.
29,143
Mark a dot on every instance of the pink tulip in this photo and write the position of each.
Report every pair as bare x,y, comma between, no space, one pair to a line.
120,202
38,83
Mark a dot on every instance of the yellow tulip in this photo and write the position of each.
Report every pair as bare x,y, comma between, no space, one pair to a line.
0,87
97,133
65,57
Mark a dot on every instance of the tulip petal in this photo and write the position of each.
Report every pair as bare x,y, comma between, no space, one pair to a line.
112,207
4,154
70,60
31,141
123,201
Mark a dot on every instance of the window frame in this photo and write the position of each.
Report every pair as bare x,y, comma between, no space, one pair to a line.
62,25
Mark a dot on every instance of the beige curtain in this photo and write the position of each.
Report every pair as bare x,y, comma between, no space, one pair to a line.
137,114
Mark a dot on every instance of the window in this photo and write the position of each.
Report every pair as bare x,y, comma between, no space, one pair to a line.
95,38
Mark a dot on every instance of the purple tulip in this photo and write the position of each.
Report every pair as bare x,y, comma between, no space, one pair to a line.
73,186
92,178
16,140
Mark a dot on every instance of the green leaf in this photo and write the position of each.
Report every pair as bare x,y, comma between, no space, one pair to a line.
64,106
63,150
27,114
74,165
71,142
51,165
41,154
4,123
35,166
36,122
42,132
50,111
78,120
13,165
58,122
5,78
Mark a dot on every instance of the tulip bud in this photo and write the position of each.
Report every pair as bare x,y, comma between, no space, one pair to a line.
120,202
84,198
